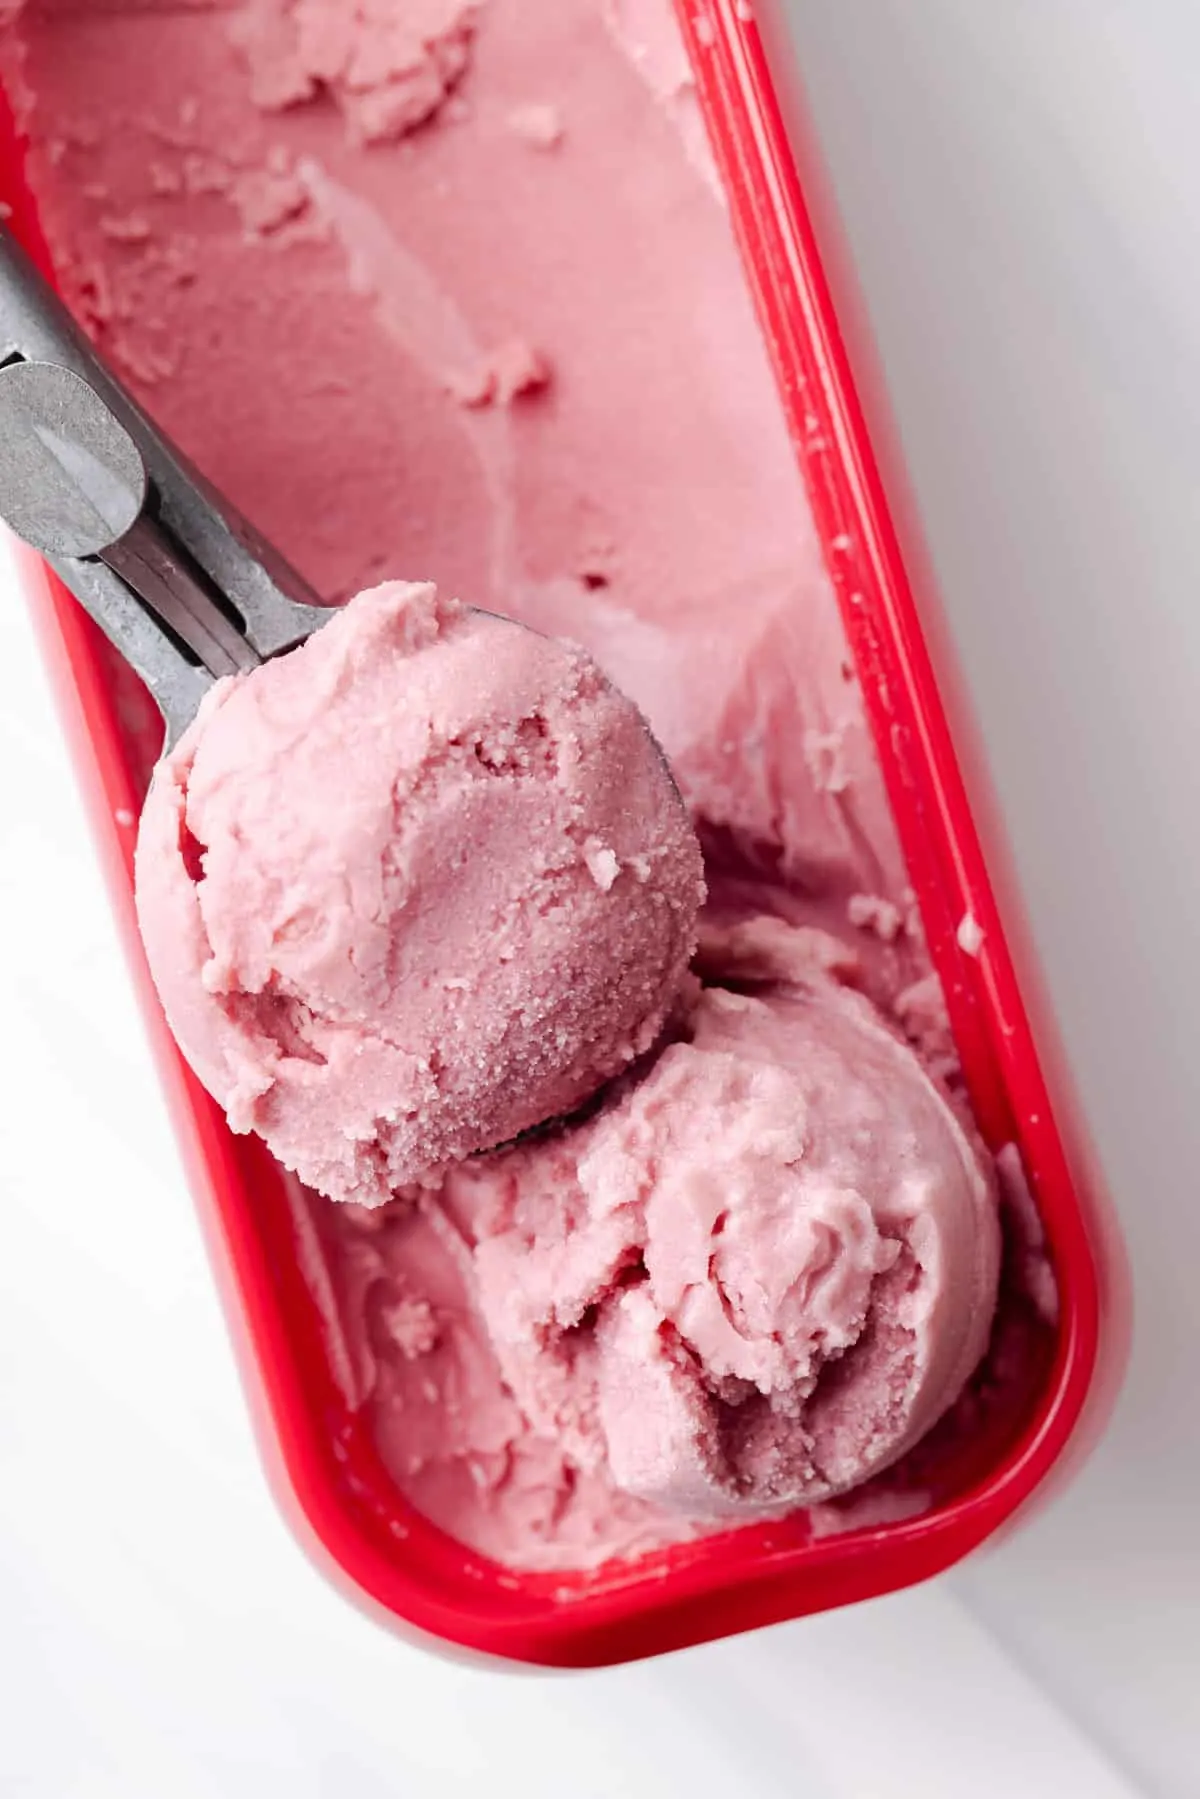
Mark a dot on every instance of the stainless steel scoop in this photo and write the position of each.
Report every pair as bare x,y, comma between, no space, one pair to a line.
181,584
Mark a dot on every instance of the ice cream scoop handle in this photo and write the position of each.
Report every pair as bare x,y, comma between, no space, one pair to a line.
181,584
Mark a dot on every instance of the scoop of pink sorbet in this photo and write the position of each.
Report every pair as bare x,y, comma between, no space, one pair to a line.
414,887
760,1274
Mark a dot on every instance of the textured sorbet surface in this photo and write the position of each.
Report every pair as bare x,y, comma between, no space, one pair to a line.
448,292
412,889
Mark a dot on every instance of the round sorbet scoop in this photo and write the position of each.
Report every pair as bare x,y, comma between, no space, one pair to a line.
757,1276
413,888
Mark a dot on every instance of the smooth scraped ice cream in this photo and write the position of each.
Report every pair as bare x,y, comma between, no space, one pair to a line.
448,291
413,888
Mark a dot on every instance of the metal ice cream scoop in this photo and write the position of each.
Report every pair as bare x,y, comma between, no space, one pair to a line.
181,584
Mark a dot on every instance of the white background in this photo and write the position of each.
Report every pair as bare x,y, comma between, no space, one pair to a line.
1019,184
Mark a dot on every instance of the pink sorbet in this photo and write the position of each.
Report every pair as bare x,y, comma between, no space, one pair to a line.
752,1280
760,1274
413,888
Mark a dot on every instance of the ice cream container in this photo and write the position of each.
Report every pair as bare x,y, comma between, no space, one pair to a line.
326,1468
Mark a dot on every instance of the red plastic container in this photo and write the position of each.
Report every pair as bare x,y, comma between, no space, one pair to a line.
328,1475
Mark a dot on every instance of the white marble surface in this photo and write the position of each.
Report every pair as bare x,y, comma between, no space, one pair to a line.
1019,186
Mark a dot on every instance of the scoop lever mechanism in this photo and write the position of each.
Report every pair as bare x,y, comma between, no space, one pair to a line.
181,584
